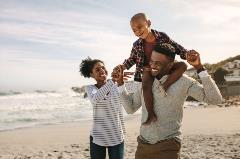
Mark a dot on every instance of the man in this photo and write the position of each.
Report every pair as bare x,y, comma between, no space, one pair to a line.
161,139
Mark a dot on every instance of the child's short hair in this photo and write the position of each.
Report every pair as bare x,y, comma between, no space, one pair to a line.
87,65
139,16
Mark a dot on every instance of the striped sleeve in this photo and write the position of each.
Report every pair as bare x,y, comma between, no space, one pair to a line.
95,95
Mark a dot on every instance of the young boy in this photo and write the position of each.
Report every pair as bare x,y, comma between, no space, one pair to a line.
141,55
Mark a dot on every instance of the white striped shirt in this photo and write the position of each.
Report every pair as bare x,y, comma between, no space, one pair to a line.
108,125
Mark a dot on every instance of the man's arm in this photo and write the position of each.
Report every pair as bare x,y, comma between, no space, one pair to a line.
131,102
207,91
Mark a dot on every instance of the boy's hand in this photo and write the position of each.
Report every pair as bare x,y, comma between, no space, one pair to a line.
118,75
193,58
117,68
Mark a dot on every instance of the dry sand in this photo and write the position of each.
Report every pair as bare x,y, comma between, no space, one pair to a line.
208,133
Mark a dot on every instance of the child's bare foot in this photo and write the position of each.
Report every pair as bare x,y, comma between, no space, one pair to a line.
151,118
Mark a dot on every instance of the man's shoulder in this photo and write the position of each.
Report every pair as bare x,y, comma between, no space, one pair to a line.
186,78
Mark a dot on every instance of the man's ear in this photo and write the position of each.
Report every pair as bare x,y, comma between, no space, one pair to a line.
171,64
91,75
149,23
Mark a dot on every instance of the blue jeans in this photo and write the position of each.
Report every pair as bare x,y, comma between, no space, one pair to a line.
99,152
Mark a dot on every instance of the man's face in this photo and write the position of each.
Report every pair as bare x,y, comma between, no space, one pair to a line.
140,27
159,63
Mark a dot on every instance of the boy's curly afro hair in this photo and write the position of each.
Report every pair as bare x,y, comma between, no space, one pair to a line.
87,65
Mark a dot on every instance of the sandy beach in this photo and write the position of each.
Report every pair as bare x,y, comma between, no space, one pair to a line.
211,132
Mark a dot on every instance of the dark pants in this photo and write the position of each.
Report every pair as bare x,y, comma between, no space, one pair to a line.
168,149
99,152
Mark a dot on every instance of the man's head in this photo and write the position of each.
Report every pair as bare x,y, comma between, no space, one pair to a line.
162,59
140,25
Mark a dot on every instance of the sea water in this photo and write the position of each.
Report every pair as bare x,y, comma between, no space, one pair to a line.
20,110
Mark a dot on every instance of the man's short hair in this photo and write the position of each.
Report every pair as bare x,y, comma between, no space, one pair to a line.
166,49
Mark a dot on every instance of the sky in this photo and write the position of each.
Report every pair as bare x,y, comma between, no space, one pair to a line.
43,42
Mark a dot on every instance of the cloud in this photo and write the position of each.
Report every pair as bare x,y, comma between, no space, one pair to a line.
215,12
52,37
56,32
44,49
212,26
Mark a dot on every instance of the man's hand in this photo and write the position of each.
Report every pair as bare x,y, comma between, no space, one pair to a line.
193,58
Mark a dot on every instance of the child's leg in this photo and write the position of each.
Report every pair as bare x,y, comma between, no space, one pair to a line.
147,82
177,71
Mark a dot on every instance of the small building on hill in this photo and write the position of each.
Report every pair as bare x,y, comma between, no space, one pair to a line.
234,68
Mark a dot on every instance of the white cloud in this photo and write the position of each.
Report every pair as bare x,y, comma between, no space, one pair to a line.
52,37
215,12
68,29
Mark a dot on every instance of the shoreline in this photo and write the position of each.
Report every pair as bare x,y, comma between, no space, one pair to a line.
212,132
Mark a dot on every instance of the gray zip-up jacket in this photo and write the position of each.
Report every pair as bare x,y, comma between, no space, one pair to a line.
169,109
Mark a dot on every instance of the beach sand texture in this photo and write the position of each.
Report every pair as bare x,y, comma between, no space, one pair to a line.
212,133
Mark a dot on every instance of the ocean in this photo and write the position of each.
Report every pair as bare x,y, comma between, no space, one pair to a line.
41,107
21,110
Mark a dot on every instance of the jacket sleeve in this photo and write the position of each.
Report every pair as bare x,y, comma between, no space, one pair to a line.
128,63
207,91
180,50
131,102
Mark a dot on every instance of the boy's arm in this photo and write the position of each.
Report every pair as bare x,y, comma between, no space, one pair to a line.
177,71
180,50
128,63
